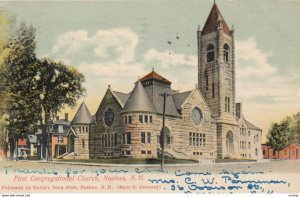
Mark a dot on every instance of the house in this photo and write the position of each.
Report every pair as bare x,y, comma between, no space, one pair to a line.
58,136
32,144
23,149
290,152
58,130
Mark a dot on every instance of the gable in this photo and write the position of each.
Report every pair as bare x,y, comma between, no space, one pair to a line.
109,97
109,101
242,122
195,99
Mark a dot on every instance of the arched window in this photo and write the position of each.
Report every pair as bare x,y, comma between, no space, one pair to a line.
229,143
206,79
226,53
210,53
228,104
226,98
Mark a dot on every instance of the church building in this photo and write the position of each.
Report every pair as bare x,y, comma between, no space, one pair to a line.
203,123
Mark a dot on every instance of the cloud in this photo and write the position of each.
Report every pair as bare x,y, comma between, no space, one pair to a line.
170,58
251,61
115,45
113,62
260,82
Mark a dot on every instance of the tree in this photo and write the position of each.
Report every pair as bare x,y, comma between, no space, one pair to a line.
6,22
278,136
20,69
294,126
57,85
37,89
3,136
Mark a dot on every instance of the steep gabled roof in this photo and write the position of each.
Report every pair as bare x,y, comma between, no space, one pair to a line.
121,97
211,23
83,115
179,98
251,126
155,92
138,100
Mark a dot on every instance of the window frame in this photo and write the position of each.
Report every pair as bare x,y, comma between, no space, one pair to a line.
210,53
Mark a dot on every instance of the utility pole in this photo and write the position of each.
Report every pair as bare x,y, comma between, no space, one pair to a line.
164,95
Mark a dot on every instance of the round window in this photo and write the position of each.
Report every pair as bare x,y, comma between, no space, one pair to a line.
109,117
196,116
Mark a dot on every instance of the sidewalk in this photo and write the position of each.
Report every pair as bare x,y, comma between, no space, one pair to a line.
139,165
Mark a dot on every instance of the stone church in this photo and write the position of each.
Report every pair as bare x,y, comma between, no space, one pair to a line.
203,123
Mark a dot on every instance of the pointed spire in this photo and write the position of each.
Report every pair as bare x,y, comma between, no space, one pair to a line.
213,18
138,100
83,115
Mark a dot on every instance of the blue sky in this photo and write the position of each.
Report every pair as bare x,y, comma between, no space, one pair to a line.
115,42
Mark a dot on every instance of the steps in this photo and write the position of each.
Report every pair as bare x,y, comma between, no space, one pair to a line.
67,156
171,153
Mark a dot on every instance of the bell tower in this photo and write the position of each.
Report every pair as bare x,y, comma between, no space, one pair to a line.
216,74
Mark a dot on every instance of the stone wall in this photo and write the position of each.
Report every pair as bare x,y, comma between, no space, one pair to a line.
81,143
100,129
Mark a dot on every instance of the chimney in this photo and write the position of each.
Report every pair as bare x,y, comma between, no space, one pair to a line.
66,117
57,117
239,110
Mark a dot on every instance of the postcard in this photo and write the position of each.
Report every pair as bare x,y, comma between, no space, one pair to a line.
173,97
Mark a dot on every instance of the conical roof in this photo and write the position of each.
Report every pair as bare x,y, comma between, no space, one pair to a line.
211,24
138,100
83,115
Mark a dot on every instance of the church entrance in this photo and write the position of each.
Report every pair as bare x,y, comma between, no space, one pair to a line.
229,143
167,139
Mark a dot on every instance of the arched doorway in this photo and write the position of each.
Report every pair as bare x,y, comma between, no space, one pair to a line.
71,143
167,139
229,143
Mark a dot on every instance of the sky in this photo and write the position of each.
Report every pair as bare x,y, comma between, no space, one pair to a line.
116,42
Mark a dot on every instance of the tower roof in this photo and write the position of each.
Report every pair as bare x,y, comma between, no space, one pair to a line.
83,115
156,76
138,100
211,23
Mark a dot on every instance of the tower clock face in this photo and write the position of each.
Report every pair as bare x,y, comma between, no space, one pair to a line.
196,116
109,117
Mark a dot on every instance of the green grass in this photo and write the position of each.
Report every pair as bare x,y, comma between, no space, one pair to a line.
130,161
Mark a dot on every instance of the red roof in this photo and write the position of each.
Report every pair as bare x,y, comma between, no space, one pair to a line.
22,142
154,75
212,21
